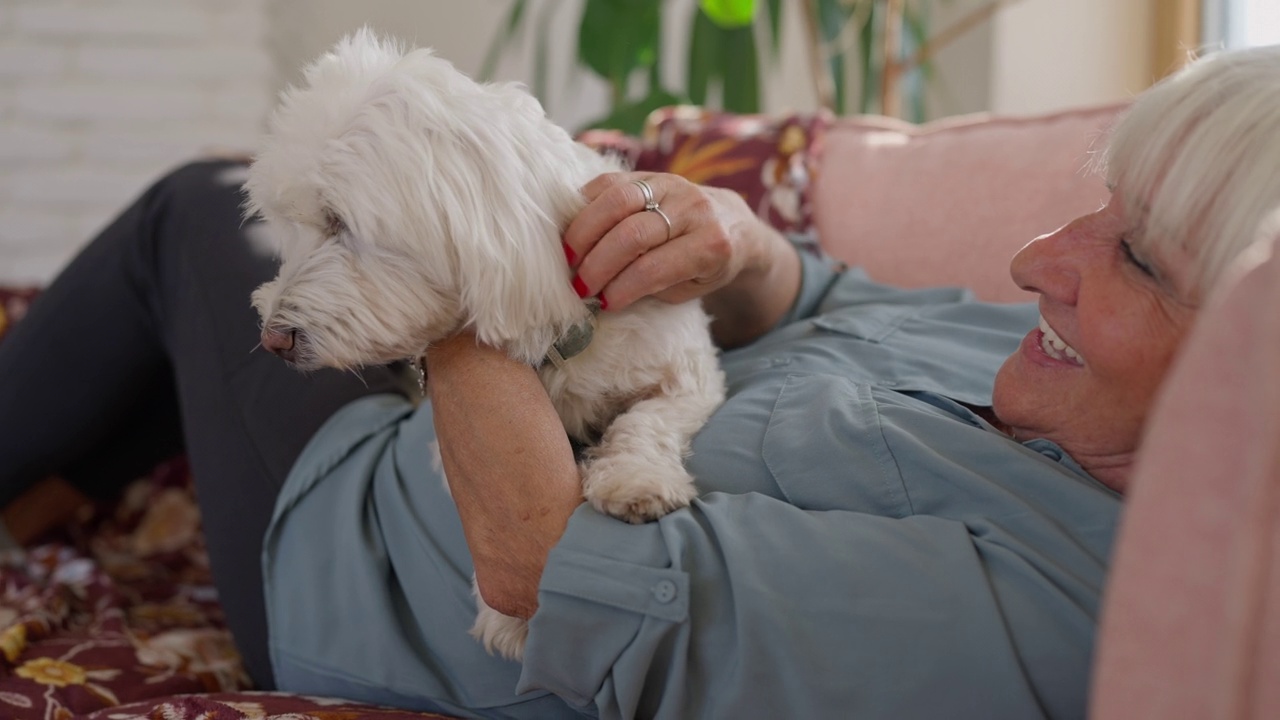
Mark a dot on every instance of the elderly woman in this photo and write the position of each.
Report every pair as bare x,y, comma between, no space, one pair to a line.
908,499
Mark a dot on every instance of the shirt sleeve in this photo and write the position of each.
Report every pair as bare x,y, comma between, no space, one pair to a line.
746,606
818,272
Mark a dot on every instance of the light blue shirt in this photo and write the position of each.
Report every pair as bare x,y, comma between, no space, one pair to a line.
864,546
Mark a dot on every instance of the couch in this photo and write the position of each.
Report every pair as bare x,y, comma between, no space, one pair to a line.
114,615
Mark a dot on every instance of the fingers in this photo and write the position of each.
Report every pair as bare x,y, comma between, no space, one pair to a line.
684,269
614,228
691,267
620,252
611,199
635,236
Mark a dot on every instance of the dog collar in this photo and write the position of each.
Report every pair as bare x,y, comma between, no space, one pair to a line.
571,343
574,340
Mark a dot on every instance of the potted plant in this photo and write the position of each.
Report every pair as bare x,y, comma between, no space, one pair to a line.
888,40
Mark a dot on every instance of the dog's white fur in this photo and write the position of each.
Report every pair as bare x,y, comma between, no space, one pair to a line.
413,202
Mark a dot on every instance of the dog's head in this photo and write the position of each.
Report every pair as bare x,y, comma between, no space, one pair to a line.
409,201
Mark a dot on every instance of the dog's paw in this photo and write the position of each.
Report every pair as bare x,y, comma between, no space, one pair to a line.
634,490
500,634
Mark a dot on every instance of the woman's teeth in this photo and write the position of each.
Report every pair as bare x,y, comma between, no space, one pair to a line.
1054,347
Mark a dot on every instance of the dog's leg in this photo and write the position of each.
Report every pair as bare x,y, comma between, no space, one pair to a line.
500,634
637,471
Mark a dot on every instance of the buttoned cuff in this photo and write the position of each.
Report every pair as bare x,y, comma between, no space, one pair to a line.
607,587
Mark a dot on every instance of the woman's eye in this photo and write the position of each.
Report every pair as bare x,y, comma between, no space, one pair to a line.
1133,259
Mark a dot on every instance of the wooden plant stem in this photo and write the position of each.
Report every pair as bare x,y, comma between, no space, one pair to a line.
953,31
894,68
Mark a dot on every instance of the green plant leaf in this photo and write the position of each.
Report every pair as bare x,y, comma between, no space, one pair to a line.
630,117
915,80
655,68
729,13
775,27
617,37
832,15
704,56
871,65
741,71
500,41
541,53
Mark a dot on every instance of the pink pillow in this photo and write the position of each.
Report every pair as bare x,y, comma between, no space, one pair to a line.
1191,619
950,202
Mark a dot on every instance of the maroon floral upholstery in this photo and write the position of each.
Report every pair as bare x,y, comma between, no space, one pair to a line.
119,608
253,706
13,305
770,161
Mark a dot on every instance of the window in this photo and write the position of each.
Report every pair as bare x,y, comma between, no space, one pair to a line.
1241,23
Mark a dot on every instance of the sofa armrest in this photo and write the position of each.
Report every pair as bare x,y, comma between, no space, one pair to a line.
1191,619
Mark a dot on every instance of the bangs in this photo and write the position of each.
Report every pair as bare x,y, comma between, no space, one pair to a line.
1198,159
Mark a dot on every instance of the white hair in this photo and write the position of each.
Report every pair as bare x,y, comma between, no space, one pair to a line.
1198,157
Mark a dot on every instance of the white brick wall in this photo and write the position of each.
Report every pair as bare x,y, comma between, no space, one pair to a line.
99,97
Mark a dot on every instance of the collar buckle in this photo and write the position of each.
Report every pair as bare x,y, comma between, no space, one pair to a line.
574,340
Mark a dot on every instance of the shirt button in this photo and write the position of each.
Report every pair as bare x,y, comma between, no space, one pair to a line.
664,591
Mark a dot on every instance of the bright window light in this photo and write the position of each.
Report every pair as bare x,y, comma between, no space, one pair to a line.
1253,22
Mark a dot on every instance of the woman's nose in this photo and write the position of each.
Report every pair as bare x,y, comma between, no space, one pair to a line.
1044,266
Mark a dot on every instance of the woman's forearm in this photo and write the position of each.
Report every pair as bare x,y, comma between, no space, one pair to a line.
759,295
509,464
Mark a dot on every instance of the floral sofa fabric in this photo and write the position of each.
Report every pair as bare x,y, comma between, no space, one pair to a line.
253,706
771,162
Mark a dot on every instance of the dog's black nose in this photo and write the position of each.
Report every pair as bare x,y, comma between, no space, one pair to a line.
280,342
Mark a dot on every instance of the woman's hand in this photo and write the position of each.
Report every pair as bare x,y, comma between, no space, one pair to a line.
715,248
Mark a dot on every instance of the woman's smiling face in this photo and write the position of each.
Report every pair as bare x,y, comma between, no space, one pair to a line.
1113,313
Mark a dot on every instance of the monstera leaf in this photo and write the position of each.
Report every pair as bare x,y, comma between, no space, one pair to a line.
725,56
618,37
630,117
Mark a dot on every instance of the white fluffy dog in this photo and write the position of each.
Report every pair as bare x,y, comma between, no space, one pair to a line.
412,202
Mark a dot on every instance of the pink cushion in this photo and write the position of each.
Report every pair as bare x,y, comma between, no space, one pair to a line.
951,201
1191,621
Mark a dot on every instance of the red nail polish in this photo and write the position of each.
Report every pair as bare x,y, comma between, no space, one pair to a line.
580,287
569,254
604,304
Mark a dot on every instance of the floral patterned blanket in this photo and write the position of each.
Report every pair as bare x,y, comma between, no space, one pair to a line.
118,619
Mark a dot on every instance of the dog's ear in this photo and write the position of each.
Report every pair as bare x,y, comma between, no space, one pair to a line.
512,271
509,186
333,225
